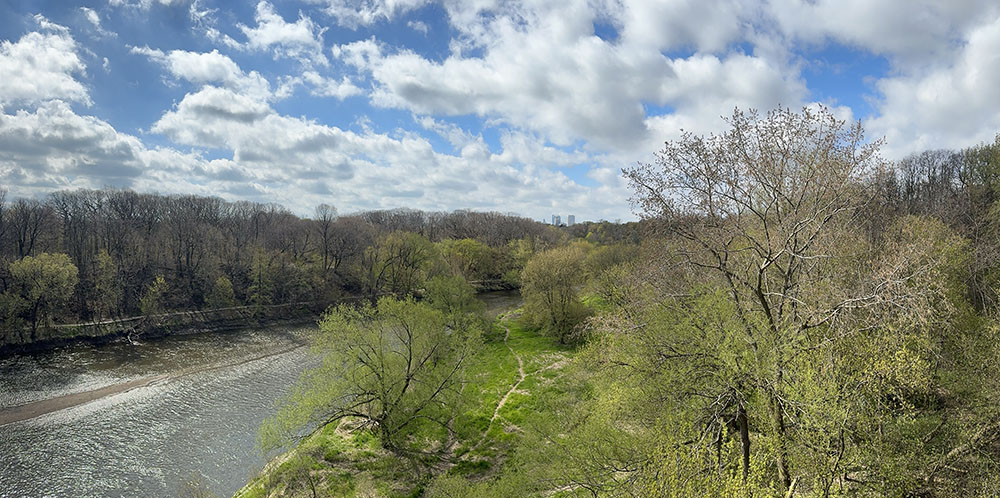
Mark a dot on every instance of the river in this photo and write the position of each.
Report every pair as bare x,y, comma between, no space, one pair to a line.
189,413
146,419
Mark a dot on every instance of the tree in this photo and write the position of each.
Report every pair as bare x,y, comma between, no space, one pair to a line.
470,258
397,263
153,301
326,215
45,283
106,293
454,296
549,285
221,295
757,212
395,365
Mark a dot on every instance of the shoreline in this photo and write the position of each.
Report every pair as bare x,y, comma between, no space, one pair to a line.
38,408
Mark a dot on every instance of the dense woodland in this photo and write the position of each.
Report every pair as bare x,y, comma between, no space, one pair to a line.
797,317
85,255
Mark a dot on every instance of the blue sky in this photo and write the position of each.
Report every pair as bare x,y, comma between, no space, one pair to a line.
530,107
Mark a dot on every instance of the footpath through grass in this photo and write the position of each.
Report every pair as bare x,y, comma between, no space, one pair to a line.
500,394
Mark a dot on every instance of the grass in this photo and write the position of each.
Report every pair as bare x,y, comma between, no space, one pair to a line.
338,462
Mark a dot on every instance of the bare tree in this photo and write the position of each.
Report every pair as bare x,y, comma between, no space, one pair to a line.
326,215
755,207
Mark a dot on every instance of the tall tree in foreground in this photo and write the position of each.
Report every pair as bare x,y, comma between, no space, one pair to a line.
396,366
764,218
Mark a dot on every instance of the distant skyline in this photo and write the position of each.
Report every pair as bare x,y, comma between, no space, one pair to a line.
531,107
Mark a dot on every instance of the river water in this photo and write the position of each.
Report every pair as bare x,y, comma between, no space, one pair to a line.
158,414
191,416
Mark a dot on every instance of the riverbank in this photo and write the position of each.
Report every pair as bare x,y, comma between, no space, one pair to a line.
515,370
161,325
188,322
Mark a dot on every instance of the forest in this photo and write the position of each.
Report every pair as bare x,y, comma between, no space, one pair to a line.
797,317
92,255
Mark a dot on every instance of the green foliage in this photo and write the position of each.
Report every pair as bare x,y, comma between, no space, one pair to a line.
153,300
45,283
397,263
549,285
264,277
453,295
395,365
470,258
221,295
12,307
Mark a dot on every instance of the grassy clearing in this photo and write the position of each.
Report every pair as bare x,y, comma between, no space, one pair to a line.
336,461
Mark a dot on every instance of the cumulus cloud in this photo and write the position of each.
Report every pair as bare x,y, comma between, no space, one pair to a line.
909,31
209,67
41,66
302,39
52,147
299,161
578,88
953,105
329,87
544,70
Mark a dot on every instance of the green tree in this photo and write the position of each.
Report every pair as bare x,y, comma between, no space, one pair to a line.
263,278
154,299
45,283
221,295
397,263
454,296
775,291
549,284
396,366
470,258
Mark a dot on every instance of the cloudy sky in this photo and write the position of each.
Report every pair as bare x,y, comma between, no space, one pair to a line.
530,106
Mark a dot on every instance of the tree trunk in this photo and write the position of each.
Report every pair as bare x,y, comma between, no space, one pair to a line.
743,426
781,459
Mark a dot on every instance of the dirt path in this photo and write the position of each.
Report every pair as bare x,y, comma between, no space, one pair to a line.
513,388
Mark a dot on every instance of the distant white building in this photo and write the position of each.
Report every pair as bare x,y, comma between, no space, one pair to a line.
571,220
556,220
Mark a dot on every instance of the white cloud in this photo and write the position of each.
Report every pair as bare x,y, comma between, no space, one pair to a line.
52,147
95,20
354,13
301,40
329,87
301,163
908,31
420,26
44,23
40,66
543,70
209,67
953,105
144,4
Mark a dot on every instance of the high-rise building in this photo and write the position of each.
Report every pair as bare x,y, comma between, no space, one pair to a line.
571,220
556,220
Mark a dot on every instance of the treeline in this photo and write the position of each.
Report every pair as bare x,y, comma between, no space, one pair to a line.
86,255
